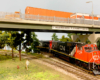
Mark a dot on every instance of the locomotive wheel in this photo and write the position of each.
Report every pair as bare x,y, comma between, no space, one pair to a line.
53,54
76,63
99,67
95,67
80,63
89,66
85,65
66,58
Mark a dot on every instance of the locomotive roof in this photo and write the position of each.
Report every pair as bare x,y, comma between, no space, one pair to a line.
80,45
49,40
59,41
44,40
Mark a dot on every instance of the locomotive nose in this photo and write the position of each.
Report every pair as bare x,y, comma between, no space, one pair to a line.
96,56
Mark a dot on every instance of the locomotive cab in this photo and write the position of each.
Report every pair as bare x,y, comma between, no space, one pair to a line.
90,48
88,53
93,53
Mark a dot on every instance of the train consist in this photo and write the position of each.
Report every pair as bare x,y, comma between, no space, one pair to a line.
84,55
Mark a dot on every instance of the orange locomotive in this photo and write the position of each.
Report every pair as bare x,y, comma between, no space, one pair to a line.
89,54
84,55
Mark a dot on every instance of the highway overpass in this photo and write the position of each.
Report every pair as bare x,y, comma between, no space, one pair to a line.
47,24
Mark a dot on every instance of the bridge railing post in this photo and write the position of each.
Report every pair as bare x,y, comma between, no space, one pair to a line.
38,17
83,20
5,13
54,18
46,18
75,21
68,20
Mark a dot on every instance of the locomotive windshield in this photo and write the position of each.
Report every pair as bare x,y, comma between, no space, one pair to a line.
90,49
95,48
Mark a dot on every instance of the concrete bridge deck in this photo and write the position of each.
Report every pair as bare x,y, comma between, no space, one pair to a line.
36,22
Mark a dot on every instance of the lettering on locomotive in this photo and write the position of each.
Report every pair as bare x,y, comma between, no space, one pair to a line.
61,47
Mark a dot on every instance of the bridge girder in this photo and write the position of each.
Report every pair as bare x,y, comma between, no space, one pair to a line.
40,26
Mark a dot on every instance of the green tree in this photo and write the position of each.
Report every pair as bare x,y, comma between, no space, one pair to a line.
28,41
69,36
63,39
32,41
19,39
88,42
3,38
11,40
15,38
55,37
35,42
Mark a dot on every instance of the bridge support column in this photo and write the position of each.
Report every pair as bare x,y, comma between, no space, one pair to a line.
82,38
94,38
75,38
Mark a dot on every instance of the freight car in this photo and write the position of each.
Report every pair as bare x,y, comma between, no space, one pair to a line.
84,55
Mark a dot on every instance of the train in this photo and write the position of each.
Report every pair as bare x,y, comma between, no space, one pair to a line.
81,54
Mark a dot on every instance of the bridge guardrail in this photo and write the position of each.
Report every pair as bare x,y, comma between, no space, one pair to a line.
7,15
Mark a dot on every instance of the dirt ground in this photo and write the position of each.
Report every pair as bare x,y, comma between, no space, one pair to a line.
69,75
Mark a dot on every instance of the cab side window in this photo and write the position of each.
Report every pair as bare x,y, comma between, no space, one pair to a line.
79,48
95,48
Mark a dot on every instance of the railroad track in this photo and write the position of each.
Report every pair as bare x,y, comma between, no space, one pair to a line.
72,69
81,73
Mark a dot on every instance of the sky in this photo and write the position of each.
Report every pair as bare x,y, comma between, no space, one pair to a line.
60,5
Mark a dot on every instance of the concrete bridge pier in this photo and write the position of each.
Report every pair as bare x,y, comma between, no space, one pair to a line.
92,37
75,38
82,38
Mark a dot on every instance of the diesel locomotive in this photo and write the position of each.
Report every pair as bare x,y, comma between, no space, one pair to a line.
84,55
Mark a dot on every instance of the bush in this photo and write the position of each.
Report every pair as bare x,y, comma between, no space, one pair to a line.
2,57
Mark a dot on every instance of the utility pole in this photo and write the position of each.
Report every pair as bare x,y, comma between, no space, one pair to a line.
92,12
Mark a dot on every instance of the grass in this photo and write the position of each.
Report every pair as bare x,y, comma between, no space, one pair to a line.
36,71
37,55
2,57
9,52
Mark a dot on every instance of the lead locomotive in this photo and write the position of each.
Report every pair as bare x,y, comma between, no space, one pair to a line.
84,55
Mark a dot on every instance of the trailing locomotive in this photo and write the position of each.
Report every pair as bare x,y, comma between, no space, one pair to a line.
84,55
